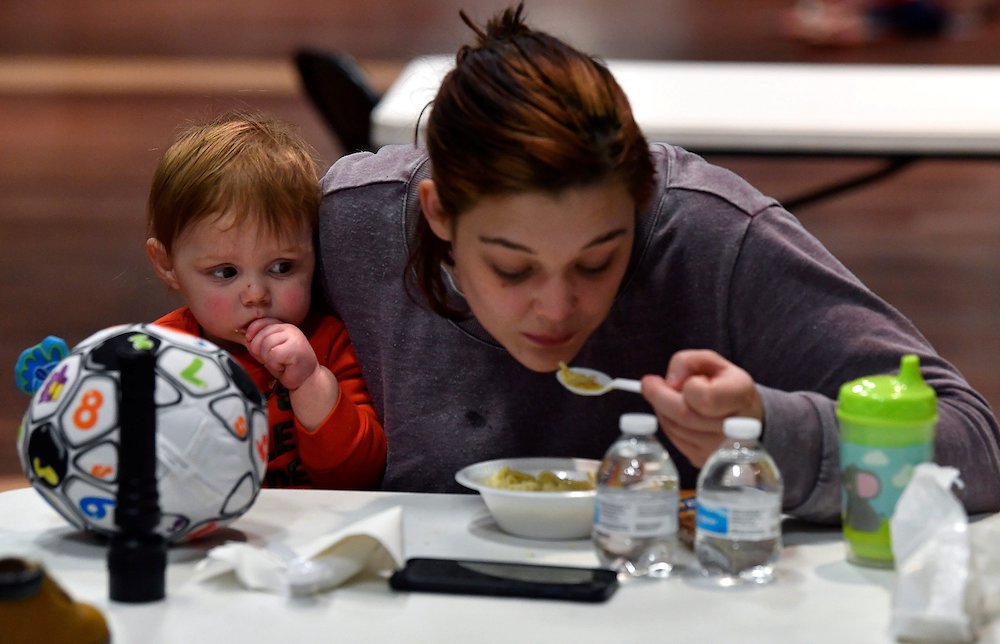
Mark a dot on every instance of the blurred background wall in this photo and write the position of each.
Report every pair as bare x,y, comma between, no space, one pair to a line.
91,92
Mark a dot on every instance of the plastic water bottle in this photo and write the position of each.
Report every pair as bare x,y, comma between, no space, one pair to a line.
635,514
738,522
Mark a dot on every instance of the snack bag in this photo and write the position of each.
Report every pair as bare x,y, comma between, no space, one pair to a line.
937,595
986,556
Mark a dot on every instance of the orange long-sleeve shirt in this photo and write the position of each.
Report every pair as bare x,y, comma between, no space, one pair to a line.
348,449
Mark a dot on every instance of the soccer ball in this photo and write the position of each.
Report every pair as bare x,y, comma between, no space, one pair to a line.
211,438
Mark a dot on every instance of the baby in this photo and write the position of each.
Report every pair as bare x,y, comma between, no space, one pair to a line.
232,215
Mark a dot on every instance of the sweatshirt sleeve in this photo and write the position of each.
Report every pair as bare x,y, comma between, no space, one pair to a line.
348,449
802,325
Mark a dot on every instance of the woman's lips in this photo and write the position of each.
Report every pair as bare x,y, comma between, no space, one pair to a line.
549,339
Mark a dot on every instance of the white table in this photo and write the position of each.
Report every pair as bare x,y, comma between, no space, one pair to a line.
772,107
897,112
818,597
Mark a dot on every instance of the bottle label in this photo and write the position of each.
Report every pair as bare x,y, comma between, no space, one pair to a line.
747,514
637,514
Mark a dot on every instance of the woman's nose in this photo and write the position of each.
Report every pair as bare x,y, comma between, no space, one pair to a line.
555,300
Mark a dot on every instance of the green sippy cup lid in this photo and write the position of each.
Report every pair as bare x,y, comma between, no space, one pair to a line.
889,400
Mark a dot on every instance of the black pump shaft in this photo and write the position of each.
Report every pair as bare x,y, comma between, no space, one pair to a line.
137,555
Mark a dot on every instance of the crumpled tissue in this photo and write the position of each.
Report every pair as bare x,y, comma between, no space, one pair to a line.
986,554
374,544
937,596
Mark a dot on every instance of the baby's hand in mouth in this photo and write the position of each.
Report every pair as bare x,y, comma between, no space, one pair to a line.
257,326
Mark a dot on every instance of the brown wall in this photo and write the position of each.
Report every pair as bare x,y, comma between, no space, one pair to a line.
90,92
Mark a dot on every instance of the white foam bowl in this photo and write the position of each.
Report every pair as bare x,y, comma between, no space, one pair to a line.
536,515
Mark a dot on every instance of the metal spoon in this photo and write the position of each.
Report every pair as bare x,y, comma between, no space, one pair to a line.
589,382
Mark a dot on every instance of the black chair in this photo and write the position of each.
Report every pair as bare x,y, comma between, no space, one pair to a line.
337,87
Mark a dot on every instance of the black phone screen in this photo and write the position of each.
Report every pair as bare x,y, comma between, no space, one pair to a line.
505,579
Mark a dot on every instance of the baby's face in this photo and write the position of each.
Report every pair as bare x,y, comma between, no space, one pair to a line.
231,275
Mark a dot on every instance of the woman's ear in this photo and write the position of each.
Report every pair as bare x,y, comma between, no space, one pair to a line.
437,218
162,264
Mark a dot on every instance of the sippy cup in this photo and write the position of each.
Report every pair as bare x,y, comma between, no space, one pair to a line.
886,429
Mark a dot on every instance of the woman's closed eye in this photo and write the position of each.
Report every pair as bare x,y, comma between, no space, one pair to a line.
519,275
594,269
512,276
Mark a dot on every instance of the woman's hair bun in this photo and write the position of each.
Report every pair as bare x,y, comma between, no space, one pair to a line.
501,27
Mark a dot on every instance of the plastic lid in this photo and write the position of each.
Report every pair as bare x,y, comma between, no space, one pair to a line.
888,399
19,579
741,428
641,424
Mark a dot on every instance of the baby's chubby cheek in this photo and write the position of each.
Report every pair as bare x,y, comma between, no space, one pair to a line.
221,312
292,307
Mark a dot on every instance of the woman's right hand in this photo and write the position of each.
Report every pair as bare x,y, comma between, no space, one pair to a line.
699,391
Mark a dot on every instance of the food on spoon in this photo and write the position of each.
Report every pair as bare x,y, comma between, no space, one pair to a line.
576,379
507,478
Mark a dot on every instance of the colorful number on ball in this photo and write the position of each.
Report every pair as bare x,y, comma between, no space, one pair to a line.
85,416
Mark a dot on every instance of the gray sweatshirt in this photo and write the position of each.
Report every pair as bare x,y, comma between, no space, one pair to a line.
716,265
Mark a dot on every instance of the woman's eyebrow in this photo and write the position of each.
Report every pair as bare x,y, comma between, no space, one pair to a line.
506,243
606,237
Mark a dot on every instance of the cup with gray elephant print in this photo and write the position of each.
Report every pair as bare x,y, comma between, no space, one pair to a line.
886,429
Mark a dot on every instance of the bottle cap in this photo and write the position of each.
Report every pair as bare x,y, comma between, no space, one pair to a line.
640,424
742,428
19,579
889,400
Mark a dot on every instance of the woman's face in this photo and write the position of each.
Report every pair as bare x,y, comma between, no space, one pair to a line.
540,270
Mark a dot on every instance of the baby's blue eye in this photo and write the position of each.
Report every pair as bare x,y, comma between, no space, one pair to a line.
225,273
280,268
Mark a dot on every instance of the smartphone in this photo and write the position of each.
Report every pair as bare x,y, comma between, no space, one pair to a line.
505,579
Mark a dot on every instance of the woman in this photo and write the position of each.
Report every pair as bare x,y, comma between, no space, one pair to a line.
538,226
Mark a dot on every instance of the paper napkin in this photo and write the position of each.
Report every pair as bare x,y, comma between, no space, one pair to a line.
374,544
936,598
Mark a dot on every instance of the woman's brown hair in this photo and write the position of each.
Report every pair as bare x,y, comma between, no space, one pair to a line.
522,112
